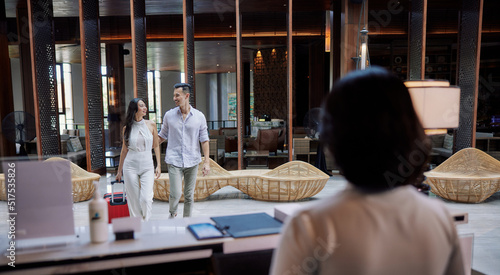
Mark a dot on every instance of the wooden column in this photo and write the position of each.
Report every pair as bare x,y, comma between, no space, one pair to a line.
92,89
335,42
43,63
7,148
246,98
116,88
289,62
416,39
468,61
139,48
188,39
350,30
23,39
239,86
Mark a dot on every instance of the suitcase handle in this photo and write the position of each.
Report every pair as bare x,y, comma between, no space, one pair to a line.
124,200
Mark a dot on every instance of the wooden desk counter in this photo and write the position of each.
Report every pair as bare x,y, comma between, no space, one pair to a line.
159,242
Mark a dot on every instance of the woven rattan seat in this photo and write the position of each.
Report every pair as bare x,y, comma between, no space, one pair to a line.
3,194
291,181
469,176
82,180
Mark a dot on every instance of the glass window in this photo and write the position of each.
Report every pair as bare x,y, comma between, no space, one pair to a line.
68,93
64,96
154,96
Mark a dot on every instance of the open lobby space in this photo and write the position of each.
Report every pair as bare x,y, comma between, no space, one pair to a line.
483,219
250,137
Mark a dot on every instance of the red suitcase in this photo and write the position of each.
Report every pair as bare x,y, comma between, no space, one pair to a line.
117,203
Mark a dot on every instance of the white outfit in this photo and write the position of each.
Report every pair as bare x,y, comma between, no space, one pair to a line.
400,231
138,171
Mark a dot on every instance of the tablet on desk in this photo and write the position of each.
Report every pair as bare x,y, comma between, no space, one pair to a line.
205,231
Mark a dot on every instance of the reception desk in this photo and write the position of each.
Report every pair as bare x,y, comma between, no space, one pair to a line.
160,242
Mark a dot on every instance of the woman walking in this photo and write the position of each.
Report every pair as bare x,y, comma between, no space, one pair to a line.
136,161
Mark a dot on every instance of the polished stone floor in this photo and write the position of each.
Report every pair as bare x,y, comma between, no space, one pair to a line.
484,218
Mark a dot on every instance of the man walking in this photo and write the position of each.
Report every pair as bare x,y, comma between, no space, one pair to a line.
184,127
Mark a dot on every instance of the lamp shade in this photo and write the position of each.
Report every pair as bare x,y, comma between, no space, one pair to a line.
436,103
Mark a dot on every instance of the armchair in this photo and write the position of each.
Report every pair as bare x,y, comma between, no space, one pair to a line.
266,140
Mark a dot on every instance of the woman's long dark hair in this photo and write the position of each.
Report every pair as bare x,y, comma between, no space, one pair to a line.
373,132
129,120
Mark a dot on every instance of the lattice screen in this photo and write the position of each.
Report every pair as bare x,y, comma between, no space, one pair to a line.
416,46
45,71
468,60
270,83
141,65
190,50
92,70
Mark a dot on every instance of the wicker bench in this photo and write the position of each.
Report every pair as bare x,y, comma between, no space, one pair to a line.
83,182
469,175
295,180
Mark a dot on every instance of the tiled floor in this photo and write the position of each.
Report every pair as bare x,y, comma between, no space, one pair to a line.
484,218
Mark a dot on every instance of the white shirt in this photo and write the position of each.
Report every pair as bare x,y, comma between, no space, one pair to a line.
183,136
400,231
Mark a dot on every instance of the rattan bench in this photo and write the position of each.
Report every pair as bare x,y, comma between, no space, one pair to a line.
83,182
291,181
469,175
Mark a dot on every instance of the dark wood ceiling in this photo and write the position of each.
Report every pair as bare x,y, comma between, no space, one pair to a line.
263,26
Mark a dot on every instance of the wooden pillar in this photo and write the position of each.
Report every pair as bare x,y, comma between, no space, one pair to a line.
7,148
43,63
116,88
335,43
92,89
239,86
468,61
23,39
139,48
350,30
246,98
416,39
289,68
188,39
